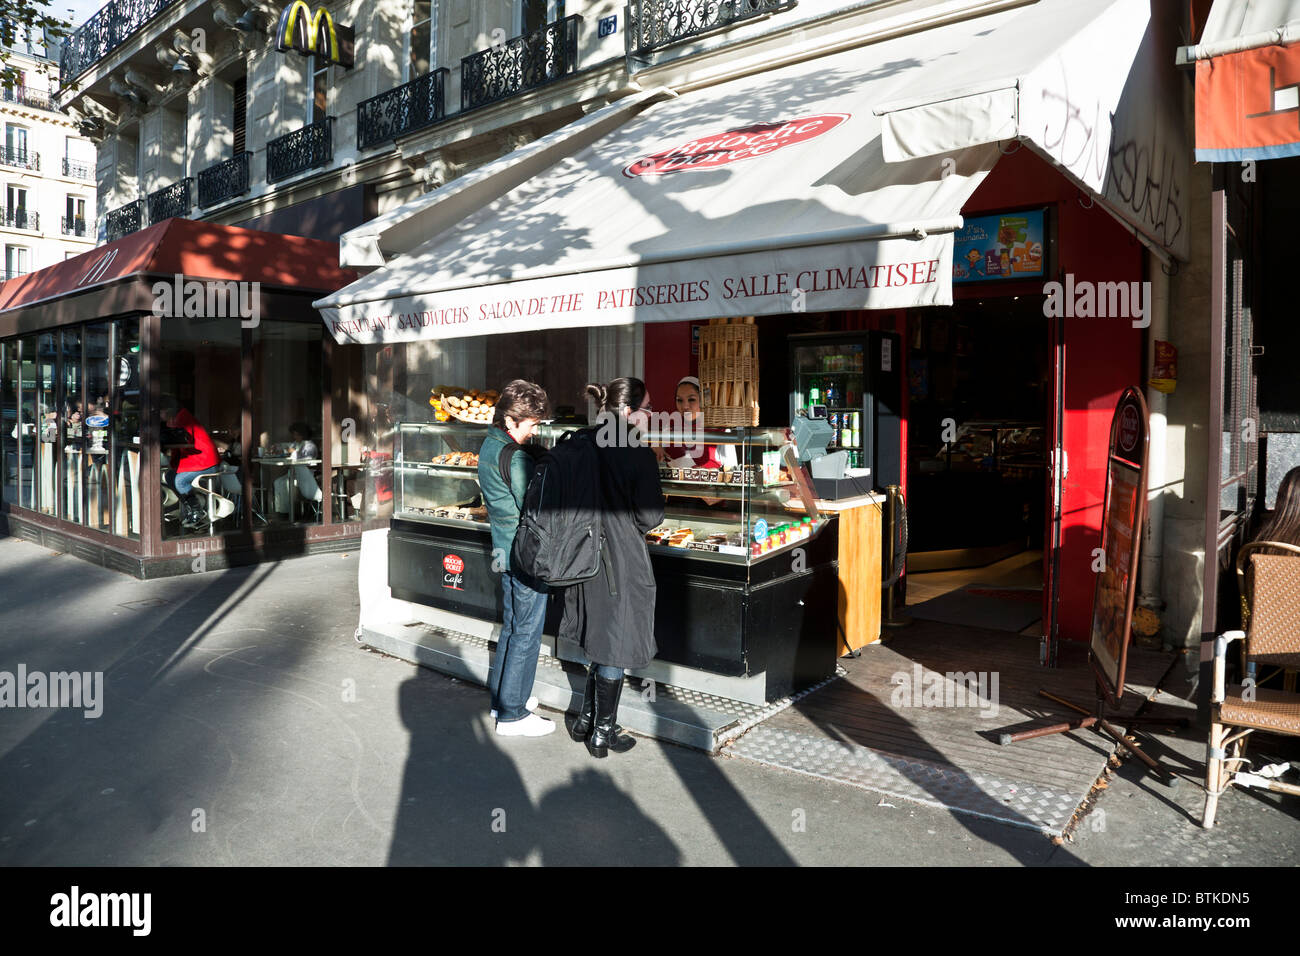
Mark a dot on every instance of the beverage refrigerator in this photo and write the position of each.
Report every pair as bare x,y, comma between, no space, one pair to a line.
858,376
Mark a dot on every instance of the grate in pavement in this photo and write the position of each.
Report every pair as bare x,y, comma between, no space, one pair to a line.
994,797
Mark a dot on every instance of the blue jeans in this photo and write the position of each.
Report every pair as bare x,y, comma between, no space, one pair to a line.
185,479
606,672
515,666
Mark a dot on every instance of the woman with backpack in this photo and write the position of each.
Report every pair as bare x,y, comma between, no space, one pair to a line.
612,614
518,410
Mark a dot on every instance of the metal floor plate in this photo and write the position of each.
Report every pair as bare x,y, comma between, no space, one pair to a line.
698,719
937,785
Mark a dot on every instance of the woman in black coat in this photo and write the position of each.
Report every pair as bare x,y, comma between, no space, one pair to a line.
612,614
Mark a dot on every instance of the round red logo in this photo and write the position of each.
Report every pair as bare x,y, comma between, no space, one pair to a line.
734,145
452,564
1128,428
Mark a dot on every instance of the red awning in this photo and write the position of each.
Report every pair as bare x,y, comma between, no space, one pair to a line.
196,250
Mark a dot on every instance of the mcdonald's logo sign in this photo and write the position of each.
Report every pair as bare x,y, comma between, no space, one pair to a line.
314,34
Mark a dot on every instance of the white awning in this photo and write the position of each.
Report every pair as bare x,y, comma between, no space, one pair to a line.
1089,85
1236,25
766,195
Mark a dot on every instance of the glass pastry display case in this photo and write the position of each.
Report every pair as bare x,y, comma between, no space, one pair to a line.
744,506
745,566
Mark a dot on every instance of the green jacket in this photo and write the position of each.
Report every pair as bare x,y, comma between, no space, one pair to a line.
503,503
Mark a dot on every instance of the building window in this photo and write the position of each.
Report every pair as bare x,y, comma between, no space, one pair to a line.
423,38
16,144
318,71
535,14
240,118
17,261
16,207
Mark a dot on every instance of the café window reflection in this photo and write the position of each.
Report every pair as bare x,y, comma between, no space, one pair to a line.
199,417
287,384
95,422
124,428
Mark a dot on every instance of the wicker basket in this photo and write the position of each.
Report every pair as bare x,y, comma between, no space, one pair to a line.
729,372
744,368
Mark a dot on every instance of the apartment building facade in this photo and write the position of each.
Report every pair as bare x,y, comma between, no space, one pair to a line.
47,169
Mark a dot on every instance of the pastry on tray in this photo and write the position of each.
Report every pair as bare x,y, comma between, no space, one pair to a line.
681,537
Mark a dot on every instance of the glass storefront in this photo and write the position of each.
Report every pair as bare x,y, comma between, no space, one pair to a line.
47,416
57,390
124,418
71,414
10,424
28,424
199,365
288,483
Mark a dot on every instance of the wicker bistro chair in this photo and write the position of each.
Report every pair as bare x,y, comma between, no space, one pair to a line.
1272,638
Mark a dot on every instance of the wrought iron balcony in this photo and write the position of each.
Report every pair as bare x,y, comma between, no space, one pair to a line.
124,220
306,148
13,273
72,227
225,180
108,29
171,201
75,170
21,219
26,97
521,64
403,109
652,24
22,158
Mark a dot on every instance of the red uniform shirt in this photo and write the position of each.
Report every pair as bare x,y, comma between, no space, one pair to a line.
205,455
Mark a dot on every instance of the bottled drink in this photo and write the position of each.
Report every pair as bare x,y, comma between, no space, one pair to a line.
814,392
832,394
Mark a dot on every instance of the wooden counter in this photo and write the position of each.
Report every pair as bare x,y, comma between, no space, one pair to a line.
860,562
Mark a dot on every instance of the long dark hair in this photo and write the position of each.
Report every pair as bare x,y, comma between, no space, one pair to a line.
1284,525
612,396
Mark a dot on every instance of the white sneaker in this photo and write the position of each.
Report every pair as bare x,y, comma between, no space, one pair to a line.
533,725
531,705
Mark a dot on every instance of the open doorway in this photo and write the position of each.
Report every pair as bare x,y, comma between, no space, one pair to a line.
980,397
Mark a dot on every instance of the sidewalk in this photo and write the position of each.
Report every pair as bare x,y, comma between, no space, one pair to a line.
242,724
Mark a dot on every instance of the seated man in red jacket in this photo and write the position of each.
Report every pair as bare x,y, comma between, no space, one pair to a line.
197,456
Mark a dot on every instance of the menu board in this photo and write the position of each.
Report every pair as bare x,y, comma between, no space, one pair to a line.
1112,608
999,248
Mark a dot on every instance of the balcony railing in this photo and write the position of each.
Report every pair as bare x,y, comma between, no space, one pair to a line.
523,63
403,109
171,201
75,170
305,148
13,273
75,226
124,220
652,24
21,219
22,158
26,97
224,181
104,32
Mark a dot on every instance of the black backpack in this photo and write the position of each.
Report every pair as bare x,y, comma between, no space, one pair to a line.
560,537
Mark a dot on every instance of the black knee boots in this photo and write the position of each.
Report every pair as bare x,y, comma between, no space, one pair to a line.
581,728
605,735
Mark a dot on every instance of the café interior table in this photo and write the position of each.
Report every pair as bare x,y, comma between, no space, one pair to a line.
267,461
